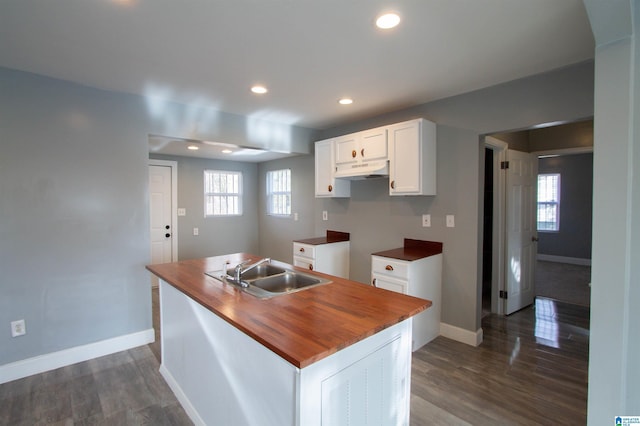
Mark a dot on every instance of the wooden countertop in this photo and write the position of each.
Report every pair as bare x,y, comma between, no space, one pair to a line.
301,327
331,237
412,250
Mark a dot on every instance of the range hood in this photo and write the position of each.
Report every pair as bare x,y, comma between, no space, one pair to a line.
368,170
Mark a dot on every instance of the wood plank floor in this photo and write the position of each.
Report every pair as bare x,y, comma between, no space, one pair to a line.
530,369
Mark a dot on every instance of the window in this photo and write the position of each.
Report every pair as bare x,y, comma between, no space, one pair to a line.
279,192
222,193
549,202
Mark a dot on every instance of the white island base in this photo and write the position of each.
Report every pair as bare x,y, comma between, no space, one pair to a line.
221,376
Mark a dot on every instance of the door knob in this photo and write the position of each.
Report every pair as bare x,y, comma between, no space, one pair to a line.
167,235
374,282
393,184
167,227
354,153
330,188
362,152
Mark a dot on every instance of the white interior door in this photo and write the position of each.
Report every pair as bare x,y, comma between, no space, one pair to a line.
521,229
160,203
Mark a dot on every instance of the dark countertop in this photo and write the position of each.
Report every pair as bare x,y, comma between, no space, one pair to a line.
331,237
301,327
413,250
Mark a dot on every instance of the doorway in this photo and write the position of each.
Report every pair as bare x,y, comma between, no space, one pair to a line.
557,141
163,229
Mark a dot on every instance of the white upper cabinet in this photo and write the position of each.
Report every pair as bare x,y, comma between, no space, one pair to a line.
412,158
326,184
362,146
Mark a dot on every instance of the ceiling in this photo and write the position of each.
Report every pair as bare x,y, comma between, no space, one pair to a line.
307,53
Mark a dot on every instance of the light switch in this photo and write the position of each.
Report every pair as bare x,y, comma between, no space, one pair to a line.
182,212
451,221
196,231
325,215
426,220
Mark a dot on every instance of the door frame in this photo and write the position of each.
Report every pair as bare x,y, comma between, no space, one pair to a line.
499,236
173,165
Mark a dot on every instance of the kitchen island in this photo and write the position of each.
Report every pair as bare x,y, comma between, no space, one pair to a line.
323,355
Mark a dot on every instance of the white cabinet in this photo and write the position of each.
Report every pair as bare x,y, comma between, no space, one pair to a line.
221,376
361,147
412,158
326,184
420,278
329,258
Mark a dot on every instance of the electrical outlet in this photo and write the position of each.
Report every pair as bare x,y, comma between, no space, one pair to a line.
18,328
451,221
182,212
196,231
295,216
426,220
325,215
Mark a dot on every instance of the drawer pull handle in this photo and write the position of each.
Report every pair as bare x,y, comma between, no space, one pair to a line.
374,282
301,249
389,268
354,153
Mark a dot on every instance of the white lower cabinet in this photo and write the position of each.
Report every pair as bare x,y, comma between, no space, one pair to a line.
420,278
221,376
328,258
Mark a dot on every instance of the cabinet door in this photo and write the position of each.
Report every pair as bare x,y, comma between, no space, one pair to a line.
347,148
326,185
387,283
405,158
367,392
373,144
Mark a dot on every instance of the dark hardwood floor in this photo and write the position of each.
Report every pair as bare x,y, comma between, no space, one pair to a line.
530,369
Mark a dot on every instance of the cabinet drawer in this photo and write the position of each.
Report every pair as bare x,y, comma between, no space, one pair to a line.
390,267
303,262
304,250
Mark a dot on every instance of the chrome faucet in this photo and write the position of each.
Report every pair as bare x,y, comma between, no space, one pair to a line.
240,269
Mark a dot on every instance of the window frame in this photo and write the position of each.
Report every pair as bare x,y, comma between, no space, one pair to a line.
283,191
238,194
549,203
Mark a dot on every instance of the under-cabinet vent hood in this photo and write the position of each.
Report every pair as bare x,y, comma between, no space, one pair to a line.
367,170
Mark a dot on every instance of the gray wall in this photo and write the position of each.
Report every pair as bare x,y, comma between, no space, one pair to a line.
576,194
74,228
562,95
614,350
74,236
216,235
277,233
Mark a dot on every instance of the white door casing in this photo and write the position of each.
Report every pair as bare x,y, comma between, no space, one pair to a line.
521,229
162,231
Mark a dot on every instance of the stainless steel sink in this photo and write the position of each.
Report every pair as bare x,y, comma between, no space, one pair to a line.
267,281
261,271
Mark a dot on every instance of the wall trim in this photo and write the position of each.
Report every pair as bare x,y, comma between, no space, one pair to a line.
564,259
51,361
461,335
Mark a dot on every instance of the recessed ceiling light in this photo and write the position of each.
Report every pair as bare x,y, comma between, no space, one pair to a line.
193,147
345,101
387,21
226,151
260,90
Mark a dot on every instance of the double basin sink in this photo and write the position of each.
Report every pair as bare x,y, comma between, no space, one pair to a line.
267,280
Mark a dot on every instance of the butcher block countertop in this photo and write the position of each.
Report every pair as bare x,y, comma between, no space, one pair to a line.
413,250
302,327
331,237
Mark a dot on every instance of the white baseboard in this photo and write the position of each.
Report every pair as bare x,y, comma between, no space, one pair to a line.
564,259
51,361
461,335
181,397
